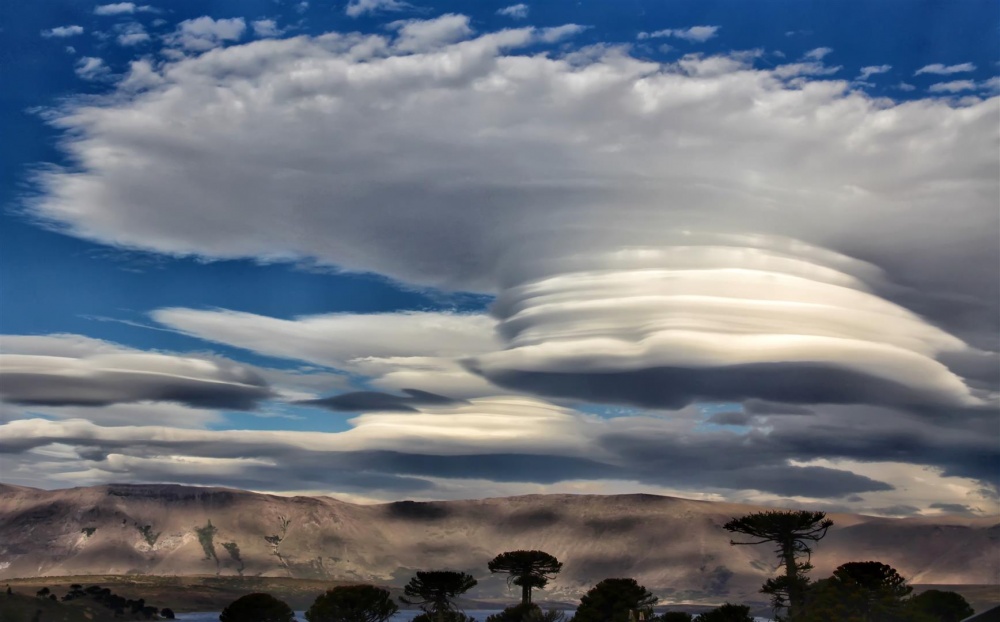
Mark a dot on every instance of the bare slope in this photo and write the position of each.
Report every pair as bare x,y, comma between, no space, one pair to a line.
675,546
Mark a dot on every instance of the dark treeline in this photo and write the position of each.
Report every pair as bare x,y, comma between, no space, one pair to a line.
867,591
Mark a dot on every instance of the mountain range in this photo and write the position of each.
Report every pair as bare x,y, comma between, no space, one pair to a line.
675,547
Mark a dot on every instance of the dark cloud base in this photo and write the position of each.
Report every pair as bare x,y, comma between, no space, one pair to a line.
676,387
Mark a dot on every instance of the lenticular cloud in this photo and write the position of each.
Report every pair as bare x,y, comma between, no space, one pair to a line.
655,233
721,317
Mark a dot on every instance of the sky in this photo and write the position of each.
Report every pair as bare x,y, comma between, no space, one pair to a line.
723,250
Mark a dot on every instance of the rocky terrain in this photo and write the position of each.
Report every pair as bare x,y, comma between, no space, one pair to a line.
676,547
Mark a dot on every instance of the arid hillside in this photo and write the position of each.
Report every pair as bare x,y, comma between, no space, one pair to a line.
676,547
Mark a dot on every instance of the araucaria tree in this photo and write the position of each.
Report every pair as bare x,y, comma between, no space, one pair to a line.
527,569
792,533
435,591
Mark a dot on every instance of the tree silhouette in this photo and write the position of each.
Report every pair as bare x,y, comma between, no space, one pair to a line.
257,607
352,603
674,616
527,613
726,613
528,569
940,605
879,585
791,532
434,591
614,600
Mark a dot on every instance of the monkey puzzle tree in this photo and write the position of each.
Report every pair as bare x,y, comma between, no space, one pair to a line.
527,569
879,588
791,532
434,591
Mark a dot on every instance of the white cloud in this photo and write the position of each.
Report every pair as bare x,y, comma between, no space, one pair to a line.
131,33
903,86
141,75
60,32
558,33
266,28
122,8
419,35
461,166
514,11
955,86
817,54
204,33
939,69
68,370
396,350
357,8
871,70
91,68
698,34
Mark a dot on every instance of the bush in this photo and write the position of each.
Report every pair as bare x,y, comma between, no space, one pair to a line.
727,613
526,613
353,603
941,605
257,607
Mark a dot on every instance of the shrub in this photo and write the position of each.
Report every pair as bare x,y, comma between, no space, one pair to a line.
257,607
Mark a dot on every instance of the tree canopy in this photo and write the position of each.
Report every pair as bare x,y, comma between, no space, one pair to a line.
257,607
613,600
435,591
353,603
941,605
527,569
792,533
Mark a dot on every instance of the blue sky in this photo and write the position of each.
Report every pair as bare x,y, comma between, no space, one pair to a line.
565,230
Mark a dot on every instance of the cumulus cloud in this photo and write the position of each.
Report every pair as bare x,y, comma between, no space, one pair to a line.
205,33
60,32
122,8
871,70
605,199
357,8
694,34
939,69
514,11
66,370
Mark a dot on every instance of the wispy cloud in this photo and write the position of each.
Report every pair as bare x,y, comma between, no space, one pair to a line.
817,53
205,33
266,28
357,8
955,86
60,32
123,8
131,33
694,34
939,69
871,70
515,11
91,68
